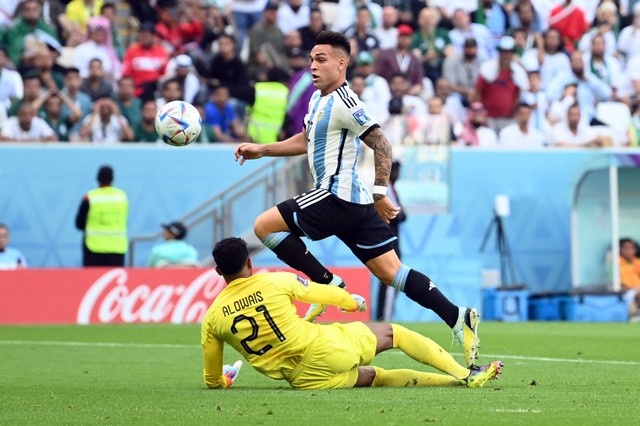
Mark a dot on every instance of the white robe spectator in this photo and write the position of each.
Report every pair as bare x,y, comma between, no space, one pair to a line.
482,35
289,20
38,131
11,86
561,134
346,14
552,64
512,137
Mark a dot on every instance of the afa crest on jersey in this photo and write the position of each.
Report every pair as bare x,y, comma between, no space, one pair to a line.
361,117
302,281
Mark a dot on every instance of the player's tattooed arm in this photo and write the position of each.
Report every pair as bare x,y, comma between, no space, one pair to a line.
382,152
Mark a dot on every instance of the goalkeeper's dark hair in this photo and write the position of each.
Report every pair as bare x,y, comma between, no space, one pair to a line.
230,255
334,39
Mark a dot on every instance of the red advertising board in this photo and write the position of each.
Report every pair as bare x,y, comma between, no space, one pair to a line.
130,295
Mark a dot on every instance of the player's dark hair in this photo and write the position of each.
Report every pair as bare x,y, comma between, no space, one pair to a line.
334,39
230,255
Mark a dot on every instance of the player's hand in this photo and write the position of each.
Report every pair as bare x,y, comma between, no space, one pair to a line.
248,151
231,372
385,208
362,305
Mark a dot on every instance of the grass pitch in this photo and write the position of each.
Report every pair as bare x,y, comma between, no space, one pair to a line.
554,373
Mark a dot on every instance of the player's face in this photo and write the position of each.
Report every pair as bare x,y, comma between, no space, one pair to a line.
328,67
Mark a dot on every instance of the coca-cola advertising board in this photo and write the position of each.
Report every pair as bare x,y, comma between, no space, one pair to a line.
131,295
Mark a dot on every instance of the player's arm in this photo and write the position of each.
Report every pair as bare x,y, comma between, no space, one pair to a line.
382,156
295,145
212,350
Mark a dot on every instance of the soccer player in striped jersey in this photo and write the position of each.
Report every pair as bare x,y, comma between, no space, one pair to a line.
340,204
254,315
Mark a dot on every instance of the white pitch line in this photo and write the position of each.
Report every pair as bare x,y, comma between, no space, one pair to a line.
547,359
96,344
396,352
518,410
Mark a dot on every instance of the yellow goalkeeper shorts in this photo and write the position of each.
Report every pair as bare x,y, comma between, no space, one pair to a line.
332,359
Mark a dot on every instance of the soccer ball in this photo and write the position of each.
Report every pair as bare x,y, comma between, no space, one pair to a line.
178,123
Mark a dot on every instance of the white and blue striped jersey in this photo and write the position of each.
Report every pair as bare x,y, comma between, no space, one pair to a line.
334,125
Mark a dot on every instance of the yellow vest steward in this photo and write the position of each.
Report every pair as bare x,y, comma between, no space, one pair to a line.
106,230
267,113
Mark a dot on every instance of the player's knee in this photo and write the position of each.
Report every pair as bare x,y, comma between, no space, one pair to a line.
260,226
366,375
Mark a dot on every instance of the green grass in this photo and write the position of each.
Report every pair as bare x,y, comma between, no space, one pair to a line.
555,373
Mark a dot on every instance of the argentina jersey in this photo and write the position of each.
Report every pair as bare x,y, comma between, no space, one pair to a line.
334,125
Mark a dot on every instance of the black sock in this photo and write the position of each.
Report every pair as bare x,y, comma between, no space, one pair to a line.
293,251
416,287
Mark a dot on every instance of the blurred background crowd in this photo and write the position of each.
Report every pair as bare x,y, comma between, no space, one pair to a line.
486,73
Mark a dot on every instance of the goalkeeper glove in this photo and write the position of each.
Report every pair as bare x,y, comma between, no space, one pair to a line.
362,305
231,372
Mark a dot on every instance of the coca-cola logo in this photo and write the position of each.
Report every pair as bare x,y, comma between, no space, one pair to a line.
112,298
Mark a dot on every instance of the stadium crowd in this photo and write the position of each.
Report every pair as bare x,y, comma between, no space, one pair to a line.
485,73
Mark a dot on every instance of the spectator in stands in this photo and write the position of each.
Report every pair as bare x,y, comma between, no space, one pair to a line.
72,83
525,16
376,94
177,27
607,68
29,19
590,89
26,127
570,20
361,32
108,11
412,106
245,15
181,69
387,33
491,13
171,91
537,100
452,106
461,70
10,258
448,8
11,85
60,120
301,89
128,104
96,85
347,10
431,44
106,125
520,134
226,68
558,108
102,216
292,40
174,251
75,18
145,129
401,60
266,41
32,90
207,135
475,132
221,116
500,83
145,61
549,57
629,38
629,272
43,67
575,132
606,25
311,31
293,14
463,29
98,46
434,128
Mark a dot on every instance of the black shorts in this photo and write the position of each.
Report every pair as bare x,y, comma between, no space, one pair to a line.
318,214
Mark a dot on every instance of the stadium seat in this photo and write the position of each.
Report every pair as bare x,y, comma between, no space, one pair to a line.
329,11
617,116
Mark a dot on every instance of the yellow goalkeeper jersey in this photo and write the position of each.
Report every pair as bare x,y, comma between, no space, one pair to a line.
257,318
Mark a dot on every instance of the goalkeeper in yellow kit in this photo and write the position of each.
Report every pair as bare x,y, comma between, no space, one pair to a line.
255,315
